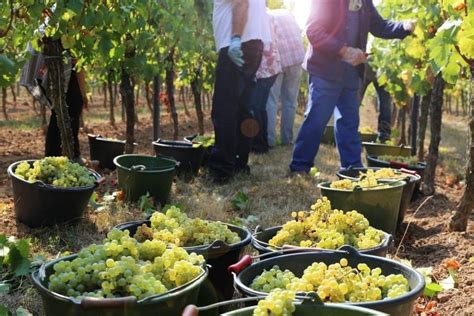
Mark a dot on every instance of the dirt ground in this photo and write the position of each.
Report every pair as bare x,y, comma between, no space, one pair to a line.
424,239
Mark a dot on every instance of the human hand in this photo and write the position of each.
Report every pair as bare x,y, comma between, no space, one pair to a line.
409,25
235,51
353,56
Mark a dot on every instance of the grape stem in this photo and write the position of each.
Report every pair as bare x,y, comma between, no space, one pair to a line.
408,226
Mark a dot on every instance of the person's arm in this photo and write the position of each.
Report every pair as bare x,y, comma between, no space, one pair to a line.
379,27
81,80
317,35
240,10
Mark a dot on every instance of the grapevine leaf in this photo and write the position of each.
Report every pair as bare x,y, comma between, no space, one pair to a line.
3,310
22,312
4,288
432,289
19,264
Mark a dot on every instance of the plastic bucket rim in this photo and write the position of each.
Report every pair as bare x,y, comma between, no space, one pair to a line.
405,297
51,187
419,165
238,245
413,177
183,145
145,171
336,305
38,284
392,185
385,145
386,241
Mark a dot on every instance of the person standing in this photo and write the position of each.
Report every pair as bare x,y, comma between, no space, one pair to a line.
267,74
76,100
240,29
286,88
337,31
384,104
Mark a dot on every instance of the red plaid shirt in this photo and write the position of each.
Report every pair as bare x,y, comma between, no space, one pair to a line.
270,64
288,38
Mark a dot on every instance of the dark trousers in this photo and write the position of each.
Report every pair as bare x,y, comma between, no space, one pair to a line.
231,112
74,105
384,104
259,108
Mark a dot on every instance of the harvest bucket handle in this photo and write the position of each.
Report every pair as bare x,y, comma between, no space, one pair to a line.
247,260
94,303
216,245
309,298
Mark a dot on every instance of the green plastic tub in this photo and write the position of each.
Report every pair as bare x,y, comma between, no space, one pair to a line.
261,237
379,206
412,180
219,256
374,149
168,304
139,175
39,204
297,263
368,138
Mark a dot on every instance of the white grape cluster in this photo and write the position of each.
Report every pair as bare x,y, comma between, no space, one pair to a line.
277,303
175,227
57,171
323,227
337,282
384,173
121,266
366,182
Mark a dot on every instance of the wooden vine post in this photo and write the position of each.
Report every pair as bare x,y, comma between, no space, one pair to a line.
54,61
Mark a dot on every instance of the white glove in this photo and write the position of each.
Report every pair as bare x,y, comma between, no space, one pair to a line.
235,51
409,25
353,56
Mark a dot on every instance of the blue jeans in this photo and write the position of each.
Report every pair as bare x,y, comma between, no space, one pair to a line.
325,98
286,88
259,109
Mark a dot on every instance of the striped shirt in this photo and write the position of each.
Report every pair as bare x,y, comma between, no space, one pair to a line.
289,38
271,64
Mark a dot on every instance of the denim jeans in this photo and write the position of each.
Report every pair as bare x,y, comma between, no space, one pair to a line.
286,88
231,110
326,97
259,109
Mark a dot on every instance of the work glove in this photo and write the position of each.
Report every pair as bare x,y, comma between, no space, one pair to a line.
235,51
409,25
353,56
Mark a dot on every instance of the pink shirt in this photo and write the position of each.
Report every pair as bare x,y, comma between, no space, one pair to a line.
271,63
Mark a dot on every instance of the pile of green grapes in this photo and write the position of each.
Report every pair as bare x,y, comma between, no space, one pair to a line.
366,182
323,227
204,141
384,173
337,282
121,266
57,171
367,130
410,160
278,302
176,228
